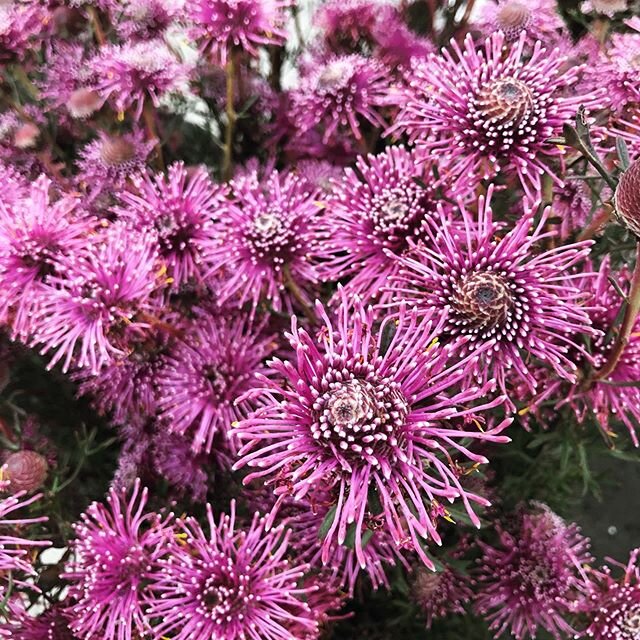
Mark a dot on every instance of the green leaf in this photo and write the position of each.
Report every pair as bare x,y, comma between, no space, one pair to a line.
623,153
350,539
327,522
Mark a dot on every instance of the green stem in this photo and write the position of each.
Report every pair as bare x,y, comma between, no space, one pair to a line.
227,164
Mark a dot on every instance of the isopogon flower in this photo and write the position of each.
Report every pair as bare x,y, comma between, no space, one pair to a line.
539,19
360,413
614,603
441,593
51,624
222,26
627,199
180,210
117,549
231,584
341,95
37,233
508,298
15,548
20,23
533,577
89,309
485,112
108,162
130,74
205,376
266,239
371,215
25,470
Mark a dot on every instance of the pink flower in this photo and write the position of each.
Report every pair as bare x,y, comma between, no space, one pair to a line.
117,549
614,604
340,96
364,412
130,75
221,26
230,584
97,299
371,216
38,234
205,377
533,578
486,112
179,209
506,299
266,238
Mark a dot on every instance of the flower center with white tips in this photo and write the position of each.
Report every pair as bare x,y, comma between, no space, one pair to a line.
267,225
334,75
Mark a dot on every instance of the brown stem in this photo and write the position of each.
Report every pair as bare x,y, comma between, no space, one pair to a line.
293,288
599,220
628,322
97,27
149,115
227,163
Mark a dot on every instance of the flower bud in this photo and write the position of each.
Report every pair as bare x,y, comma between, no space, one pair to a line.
627,198
25,471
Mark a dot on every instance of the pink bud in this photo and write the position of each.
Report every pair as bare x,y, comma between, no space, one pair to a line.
627,198
25,471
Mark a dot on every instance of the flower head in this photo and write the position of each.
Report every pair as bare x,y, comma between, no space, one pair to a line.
51,624
487,112
230,584
117,548
627,198
130,74
37,234
265,240
89,310
614,604
507,298
340,95
533,577
25,470
108,162
441,593
19,23
222,26
371,215
180,210
539,19
205,376
365,413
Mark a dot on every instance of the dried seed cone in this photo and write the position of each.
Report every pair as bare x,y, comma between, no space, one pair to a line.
26,471
627,198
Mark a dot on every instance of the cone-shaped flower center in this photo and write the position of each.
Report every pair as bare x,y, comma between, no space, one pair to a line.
505,101
483,299
631,622
117,151
360,417
223,593
334,75
513,17
267,225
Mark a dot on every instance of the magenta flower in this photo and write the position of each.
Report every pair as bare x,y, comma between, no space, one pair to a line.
572,204
117,549
230,584
507,299
205,376
485,112
148,19
221,26
52,624
618,70
360,418
97,300
533,578
37,235
20,22
266,239
371,216
614,604
130,75
442,593
538,19
616,398
179,209
15,548
107,163
340,95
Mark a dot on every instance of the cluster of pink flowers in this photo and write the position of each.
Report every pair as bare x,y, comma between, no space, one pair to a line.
319,310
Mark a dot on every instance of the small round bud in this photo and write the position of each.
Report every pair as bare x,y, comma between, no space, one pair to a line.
627,198
25,471
117,151
26,136
608,7
83,102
